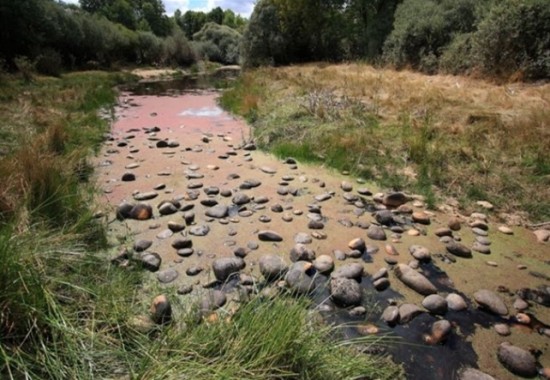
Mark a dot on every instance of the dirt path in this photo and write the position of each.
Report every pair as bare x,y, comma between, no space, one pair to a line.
197,148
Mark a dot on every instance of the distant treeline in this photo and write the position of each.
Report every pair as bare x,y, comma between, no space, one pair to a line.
52,36
501,38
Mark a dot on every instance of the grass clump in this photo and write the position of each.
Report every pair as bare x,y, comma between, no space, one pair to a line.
264,339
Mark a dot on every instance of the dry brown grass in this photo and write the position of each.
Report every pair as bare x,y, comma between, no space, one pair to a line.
472,139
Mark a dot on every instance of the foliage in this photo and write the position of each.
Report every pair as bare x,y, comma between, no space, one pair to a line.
515,37
191,22
423,28
178,50
218,43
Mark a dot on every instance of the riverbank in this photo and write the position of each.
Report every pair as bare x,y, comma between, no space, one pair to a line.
453,139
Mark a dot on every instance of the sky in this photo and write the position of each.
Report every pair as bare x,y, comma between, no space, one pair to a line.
242,7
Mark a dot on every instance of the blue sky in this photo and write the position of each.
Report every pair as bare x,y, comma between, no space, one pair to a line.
242,7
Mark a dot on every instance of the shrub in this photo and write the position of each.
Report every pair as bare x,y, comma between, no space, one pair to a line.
515,37
177,50
218,43
458,57
49,63
423,28
25,67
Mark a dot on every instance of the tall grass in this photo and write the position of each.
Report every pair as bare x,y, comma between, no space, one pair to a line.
264,339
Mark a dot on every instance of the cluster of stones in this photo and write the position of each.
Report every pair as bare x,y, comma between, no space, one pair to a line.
301,270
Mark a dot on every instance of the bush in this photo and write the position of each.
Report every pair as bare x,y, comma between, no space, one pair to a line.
515,38
218,43
177,50
49,63
457,57
423,28
25,67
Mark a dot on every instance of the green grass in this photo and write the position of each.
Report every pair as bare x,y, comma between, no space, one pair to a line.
264,339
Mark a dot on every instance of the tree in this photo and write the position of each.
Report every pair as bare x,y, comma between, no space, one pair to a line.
192,22
218,43
263,41
215,15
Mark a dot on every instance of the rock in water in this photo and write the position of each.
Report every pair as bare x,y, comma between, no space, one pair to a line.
226,266
161,310
436,304
391,315
298,278
272,267
414,280
345,292
490,301
407,312
517,360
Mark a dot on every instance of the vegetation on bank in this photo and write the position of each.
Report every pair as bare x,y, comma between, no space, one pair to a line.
440,136
67,312
507,39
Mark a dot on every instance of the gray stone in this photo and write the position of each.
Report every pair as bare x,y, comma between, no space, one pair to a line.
481,248
473,374
213,300
168,275
391,315
376,233
381,284
420,253
455,302
394,199
407,312
435,304
226,266
345,292
458,249
182,243
324,264
272,267
490,301
298,278
267,235
414,280
301,252
517,360
167,208
351,271
357,244
201,230
145,196
218,211
142,245
161,310
150,261
241,199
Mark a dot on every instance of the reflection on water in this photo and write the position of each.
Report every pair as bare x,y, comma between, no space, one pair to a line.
202,112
